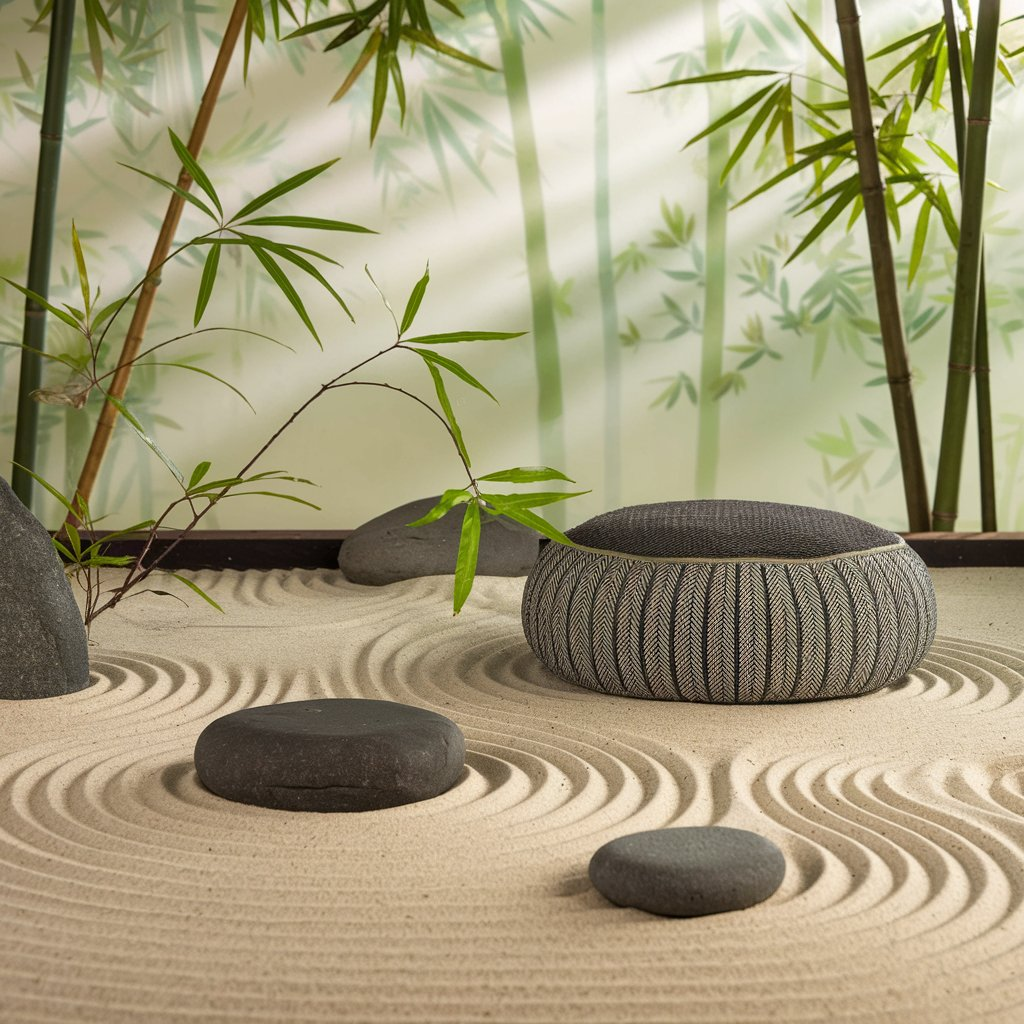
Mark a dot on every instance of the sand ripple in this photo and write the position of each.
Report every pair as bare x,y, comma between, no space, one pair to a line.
131,893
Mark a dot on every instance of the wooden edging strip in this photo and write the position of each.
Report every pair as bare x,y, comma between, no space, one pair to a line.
318,549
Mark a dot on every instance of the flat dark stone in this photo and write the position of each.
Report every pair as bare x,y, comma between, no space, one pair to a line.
386,549
43,647
688,872
330,755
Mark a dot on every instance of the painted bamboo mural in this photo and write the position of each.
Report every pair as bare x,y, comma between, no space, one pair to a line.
606,264
62,24
968,267
542,299
709,407
872,189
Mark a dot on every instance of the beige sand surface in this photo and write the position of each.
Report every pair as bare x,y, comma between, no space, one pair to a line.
129,893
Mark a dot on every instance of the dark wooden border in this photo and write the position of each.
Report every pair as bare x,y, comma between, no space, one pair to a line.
318,549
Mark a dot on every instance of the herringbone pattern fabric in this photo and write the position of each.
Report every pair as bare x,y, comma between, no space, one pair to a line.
730,632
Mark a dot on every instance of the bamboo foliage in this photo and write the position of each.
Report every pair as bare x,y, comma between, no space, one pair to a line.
873,195
968,267
44,215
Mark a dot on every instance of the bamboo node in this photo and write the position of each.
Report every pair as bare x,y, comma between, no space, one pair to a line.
979,120
962,367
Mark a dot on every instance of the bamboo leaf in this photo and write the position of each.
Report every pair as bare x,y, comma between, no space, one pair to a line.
205,373
533,500
454,368
456,336
526,475
738,111
917,247
197,474
469,550
380,86
447,502
197,174
845,198
364,58
413,305
534,521
196,589
64,317
146,439
449,413
818,44
274,494
187,196
83,275
433,43
717,76
287,288
286,186
751,131
66,502
312,223
206,283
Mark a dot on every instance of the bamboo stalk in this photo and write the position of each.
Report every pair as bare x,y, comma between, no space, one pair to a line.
605,265
982,379
44,215
716,211
963,334
545,331
147,295
894,345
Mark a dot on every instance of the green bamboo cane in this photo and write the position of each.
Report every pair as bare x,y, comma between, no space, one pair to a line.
605,264
982,370
51,134
894,345
716,211
545,332
968,268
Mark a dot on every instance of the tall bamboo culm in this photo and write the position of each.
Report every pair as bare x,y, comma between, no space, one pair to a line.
606,265
982,380
963,334
147,295
709,408
538,267
897,362
51,135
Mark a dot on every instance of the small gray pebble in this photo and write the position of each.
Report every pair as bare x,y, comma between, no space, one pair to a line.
688,872
330,755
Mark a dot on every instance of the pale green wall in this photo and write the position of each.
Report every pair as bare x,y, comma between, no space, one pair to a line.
369,450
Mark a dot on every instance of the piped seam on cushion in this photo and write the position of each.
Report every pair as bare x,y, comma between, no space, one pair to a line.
673,560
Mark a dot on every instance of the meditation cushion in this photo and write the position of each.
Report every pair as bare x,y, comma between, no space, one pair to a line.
729,602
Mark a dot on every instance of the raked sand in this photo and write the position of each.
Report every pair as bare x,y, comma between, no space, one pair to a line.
128,893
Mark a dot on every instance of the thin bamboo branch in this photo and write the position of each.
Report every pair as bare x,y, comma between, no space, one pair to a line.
709,408
144,306
982,379
605,264
894,345
963,334
51,134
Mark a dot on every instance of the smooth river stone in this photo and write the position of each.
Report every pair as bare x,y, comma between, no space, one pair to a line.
43,647
330,755
386,549
688,872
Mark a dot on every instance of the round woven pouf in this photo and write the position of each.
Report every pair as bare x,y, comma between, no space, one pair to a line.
729,602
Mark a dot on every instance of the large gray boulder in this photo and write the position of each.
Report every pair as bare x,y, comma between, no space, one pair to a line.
386,550
43,647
